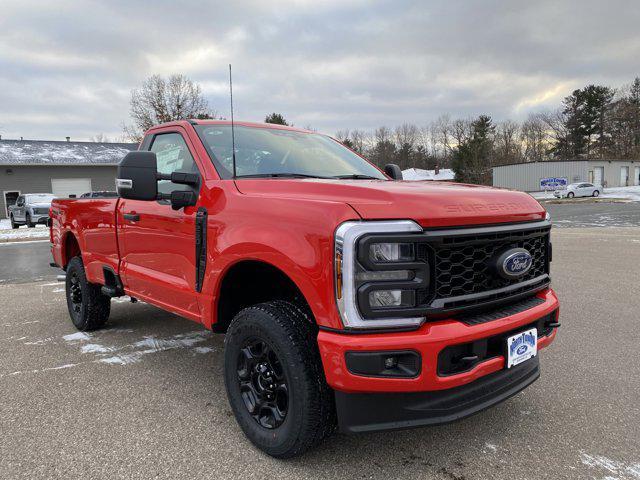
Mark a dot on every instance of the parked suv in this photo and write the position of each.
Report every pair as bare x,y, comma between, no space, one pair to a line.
30,209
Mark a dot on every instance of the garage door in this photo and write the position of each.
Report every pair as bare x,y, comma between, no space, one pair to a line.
598,174
63,187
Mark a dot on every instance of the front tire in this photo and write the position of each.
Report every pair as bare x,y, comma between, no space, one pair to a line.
596,193
88,307
27,220
14,225
570,195
274,379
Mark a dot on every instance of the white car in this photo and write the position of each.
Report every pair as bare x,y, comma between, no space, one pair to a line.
579,190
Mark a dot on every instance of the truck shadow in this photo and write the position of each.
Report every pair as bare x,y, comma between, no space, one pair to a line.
191,359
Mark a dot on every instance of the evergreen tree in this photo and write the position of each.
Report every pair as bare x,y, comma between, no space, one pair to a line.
585,113
472,158
275,118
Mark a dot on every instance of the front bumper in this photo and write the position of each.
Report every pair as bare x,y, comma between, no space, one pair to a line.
39,219
354,391
369,412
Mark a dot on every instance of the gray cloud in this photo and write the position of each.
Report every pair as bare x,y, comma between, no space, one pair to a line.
67,67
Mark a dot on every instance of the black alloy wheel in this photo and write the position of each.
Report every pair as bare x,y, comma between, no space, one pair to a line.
275,380
75,293
263,383
88,307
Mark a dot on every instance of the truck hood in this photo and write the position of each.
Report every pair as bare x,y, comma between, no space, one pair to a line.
431,204
40,205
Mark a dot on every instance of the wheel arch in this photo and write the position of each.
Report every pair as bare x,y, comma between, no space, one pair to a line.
248,282
70,248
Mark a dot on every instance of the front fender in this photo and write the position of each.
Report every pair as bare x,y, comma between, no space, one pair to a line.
295,237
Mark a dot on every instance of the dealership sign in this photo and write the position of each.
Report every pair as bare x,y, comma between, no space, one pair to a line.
553,183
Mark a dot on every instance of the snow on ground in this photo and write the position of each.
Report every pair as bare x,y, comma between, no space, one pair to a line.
628,193
8,234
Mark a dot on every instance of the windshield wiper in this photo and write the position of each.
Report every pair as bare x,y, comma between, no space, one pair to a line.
278,175
356,176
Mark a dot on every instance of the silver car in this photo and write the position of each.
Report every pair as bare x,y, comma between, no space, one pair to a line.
30,209
579,190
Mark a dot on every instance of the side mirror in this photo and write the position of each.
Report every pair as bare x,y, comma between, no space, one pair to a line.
136,178
181,198
393,171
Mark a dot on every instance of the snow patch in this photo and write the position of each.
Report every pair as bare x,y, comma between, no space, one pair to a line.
94,348
8,233
76,337
133,353
203,349
619,469
490,447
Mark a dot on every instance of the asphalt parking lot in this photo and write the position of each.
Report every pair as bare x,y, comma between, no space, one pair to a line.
144,398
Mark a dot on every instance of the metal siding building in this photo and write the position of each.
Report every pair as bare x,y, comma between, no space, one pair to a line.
609,173
61,168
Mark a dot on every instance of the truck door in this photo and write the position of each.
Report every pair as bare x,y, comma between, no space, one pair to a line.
157,243
19,209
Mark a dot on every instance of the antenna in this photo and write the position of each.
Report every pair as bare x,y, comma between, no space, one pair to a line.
233,136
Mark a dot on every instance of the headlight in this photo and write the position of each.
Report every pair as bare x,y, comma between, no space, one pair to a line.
391,252
377,274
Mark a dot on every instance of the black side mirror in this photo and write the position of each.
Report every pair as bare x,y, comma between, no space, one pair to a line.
393,171
181,198
136,178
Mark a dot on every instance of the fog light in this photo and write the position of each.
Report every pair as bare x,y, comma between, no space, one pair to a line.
391,252
390,362
390,298
385,298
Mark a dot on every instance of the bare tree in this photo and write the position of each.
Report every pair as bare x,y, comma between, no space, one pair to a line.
461,131
100,138
358,140
507,145
534,138
161,100
443,128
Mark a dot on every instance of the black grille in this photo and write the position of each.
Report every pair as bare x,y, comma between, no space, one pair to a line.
464,264
465,269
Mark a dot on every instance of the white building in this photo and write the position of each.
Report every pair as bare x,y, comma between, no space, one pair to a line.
528,176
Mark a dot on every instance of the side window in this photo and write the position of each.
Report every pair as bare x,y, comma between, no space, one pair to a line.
173,156
20,201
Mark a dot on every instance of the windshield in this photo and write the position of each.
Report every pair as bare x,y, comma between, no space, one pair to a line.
39,198
274,152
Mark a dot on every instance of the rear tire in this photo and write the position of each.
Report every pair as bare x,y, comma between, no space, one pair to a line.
27,220
88,307
596,193
570,195
275,381
14,225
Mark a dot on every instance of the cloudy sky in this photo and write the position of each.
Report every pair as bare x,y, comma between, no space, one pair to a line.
67,67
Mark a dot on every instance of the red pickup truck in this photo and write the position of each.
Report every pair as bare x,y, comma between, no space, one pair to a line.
348,297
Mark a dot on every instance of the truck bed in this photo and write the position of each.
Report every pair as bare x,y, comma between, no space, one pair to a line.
86,225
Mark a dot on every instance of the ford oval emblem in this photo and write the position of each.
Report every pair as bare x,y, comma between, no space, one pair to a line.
514,263
521,349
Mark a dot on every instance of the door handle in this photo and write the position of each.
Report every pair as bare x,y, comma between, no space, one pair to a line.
132,217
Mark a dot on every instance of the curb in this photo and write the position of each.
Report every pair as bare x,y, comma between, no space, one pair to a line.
19,239
558,201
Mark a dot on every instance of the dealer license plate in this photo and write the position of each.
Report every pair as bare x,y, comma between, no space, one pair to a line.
521,347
